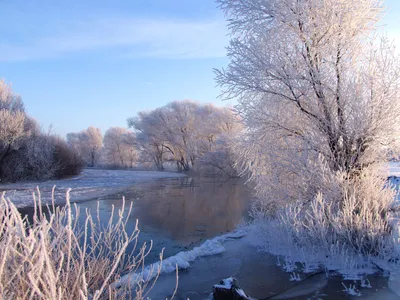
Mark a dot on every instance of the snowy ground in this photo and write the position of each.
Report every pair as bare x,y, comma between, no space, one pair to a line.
257,272
92,183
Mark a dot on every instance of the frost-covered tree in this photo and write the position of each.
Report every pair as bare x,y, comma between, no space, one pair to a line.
8,99
220,131
130,145
149,135
93,141
180,134
87,144
12,122
183,132
75,145
320,97
11,130
120,147
12,119
113,142
317,92
169,132
25,152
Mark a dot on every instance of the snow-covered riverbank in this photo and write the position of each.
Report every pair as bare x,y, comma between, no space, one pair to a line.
258,272
90,184
260,276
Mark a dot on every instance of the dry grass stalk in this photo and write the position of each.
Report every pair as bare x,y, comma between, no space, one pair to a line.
57,257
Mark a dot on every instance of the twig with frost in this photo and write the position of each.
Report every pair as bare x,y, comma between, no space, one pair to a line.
289,265
365,283
295,277
351,290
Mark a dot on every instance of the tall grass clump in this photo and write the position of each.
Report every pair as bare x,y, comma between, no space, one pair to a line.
54,256
352,227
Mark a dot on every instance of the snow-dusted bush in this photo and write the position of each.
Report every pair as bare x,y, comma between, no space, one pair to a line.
40,157
56,257
351,229
359,217
66,159
25,151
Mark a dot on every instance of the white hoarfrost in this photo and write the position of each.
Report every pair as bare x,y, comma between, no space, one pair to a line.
181,260
316,89
277,237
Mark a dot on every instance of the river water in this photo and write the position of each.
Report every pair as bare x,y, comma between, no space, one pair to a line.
177,214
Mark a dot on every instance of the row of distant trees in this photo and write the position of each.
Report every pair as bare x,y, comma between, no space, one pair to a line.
26,152
182,135
117,148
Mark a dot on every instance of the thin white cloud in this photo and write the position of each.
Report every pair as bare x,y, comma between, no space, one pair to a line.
125,37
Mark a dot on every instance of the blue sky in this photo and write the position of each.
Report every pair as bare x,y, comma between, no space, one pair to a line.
82,63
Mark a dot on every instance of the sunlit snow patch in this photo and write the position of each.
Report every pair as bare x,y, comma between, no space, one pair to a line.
181,260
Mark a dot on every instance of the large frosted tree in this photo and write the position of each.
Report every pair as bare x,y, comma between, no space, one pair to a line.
318,92
186,133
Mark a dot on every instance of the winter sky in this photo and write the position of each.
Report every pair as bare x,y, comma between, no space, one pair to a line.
81,63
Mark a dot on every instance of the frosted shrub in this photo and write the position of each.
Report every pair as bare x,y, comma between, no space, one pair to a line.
27,153
56,257
345,230
359,218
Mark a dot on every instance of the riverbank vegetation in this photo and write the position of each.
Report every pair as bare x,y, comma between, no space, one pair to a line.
188,134
54,256
318,92
26,152
182,136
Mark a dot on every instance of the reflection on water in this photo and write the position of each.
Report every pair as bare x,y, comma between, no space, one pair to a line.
177,213
188,209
